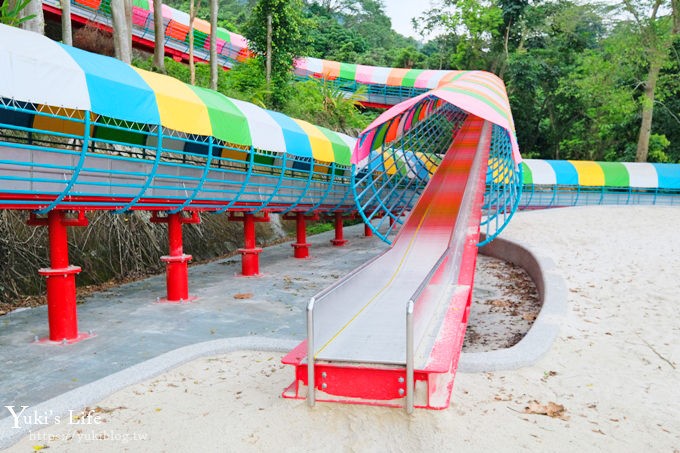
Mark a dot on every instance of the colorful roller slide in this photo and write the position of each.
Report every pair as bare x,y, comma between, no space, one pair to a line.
367,340
82,132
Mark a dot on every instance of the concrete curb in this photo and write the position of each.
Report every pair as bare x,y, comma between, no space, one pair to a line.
537,342
92,393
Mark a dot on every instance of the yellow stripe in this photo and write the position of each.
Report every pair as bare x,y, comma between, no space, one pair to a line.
180,108
389,282
322,148
390,167
589,173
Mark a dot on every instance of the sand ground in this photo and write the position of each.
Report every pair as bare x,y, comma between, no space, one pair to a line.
613,368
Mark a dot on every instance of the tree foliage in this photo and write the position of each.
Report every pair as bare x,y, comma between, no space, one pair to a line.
576,72
286,40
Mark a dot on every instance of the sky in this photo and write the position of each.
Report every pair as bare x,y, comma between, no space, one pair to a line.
401,12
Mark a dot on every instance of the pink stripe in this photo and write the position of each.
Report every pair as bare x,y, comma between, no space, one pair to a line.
464,101
238,41
423,79
364,73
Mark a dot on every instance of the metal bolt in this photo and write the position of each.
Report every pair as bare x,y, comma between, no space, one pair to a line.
90,332
323,375
63,341
324,385
401,380
35,338
401,392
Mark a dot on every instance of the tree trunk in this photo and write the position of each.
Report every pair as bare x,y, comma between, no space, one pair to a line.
192,15
128,31
213,44
120,32
159,36
66,31
269,50
647,112
37,24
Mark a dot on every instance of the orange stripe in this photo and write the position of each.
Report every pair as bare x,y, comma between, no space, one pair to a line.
396,77
331,69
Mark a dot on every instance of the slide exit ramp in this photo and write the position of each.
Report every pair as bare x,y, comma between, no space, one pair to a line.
390,332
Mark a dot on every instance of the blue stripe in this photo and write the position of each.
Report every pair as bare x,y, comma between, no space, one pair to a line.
565,173
116,90
297,141
668,175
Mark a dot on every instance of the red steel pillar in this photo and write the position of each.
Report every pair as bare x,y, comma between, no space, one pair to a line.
176,269
250,254
368,231
301,247
339,240
61,277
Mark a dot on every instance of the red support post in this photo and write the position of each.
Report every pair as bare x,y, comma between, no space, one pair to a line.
368,231
176,269
339,240
61,277
301,247
250,254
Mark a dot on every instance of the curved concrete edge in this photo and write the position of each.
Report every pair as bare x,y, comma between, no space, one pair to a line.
96,391
552,291
535,344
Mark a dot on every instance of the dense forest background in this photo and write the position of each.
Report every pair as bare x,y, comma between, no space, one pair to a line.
578,75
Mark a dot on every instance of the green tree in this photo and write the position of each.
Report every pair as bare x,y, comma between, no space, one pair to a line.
283,40
475,23
656,33
11,13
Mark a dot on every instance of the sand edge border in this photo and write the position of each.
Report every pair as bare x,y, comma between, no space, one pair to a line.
100,389
535,344
552,290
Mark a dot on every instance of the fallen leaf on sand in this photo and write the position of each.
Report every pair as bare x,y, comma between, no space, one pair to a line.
529,317
551,409
243,296
500,303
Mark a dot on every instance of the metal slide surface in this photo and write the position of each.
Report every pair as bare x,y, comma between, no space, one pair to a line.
362,319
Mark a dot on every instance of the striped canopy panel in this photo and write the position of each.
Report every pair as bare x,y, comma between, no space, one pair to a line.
68,81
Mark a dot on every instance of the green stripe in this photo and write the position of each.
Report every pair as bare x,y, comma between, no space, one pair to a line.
410,78
348,71
223,34
380,135
527,177
227,121
199,38
615,174
341,152
402,168
141,4
123,136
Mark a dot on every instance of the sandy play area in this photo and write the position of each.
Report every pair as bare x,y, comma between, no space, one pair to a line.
610,382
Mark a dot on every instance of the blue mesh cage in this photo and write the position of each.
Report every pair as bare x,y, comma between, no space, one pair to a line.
503,186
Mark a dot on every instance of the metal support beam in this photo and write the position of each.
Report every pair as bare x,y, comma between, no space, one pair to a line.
250,254
176,271
61,277
339,239
301,247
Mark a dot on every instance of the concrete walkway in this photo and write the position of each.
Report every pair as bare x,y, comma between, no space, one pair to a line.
130,328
